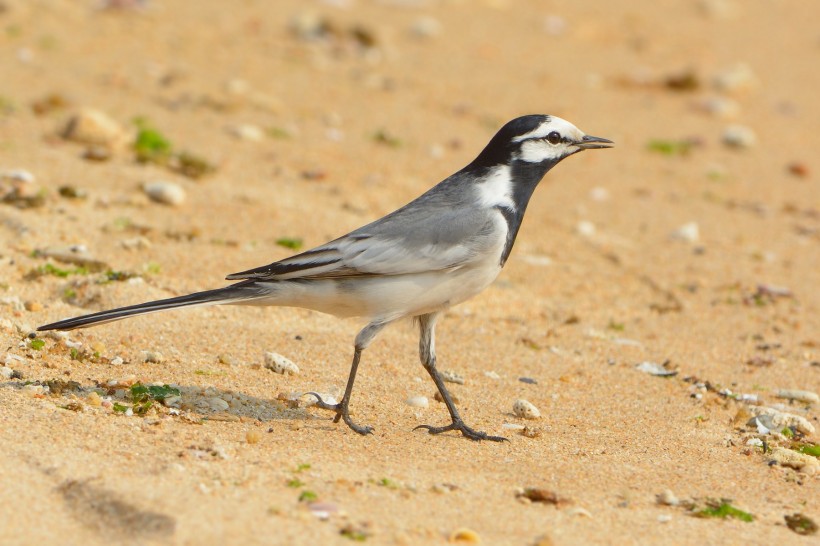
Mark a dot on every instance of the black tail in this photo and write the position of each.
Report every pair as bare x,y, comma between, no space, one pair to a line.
237,293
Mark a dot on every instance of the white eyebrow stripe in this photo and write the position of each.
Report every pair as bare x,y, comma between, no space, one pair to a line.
564,128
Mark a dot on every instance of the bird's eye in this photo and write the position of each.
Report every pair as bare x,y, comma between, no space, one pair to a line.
554,138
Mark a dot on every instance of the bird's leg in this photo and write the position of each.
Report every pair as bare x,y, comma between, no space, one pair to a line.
342,409
427,352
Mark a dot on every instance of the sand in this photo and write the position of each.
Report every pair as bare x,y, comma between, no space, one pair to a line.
350,120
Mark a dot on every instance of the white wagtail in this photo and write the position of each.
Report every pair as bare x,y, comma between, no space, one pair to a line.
435,252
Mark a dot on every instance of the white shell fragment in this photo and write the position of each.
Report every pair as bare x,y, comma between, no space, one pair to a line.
280,364
781,420
417,402
668,498
655,369
800,396
525,409
166,193
793,459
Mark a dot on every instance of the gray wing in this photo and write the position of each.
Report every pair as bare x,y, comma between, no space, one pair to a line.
433,233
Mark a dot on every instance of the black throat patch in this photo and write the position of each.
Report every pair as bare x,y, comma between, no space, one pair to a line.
525,177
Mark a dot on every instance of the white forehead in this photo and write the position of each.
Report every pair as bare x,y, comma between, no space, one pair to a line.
564,128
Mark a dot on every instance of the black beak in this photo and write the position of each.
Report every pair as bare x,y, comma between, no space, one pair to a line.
593,143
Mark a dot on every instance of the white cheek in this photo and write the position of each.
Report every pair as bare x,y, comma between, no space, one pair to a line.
536,151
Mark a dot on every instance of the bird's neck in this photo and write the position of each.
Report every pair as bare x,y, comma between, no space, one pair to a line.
525,177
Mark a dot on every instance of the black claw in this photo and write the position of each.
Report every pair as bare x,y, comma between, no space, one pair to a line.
341,413
465,430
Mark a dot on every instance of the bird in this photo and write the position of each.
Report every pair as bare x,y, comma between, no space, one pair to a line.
437,251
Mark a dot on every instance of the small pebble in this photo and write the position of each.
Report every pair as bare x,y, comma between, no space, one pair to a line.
528,380
250,133
585,228
578,511
417,401
135,243
599,194
172,401
668,498
96,128
739,77
664,518
452,377
798,169
739,136
689,232
465,535
155,357
280,364
793,459
6,372
116,361
720,107
655,369
781,420
492,375
525,409
18,175
94,399
799,395
426,27
253,437
167,193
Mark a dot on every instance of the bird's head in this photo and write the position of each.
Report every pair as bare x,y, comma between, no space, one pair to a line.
537,139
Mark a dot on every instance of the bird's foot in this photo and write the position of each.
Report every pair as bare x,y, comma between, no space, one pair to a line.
342,412
459,425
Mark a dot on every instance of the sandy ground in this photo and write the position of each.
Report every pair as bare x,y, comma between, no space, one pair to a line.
372,104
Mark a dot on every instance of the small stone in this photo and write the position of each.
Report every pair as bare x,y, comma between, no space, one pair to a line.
655,369
439,398
6,372
155,357
546,496
525,409
172,401
18,175
531,432
116,361
426,27
465,535
452,377
664,518
799,395
166,193
93,399
599,194
280,364
585,228
737,78
217,404
689,232
720,107
739,136
668,498
578,511
793,459
798,169
417,402
250,133
253,437
135,243
492,375
780,420
801,524
93,127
